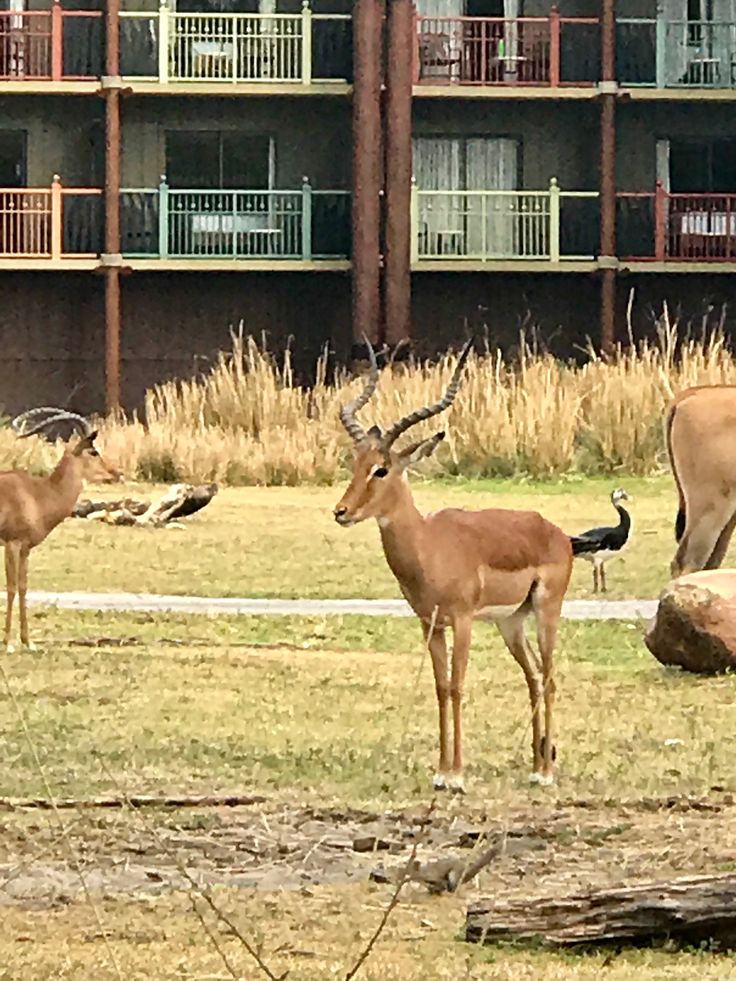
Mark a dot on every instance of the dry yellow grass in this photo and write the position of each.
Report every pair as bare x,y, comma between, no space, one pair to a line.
249,422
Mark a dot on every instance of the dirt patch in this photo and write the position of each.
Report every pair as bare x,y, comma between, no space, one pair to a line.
572,845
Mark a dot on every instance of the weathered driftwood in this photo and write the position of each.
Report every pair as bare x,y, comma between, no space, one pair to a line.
692,908
135,800
695,625
179,501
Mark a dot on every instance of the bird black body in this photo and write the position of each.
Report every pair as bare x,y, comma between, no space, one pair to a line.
599,545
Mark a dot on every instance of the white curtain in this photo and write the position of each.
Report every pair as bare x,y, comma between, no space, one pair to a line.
491,223
723,39
438,167
440,8
674,15
511,37
464,224
663,163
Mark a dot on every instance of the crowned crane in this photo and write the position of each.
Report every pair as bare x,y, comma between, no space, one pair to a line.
600,545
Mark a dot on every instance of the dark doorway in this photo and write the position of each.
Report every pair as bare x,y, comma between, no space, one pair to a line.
13,157
703,166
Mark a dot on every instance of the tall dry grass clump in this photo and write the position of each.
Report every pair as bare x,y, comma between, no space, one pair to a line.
249,422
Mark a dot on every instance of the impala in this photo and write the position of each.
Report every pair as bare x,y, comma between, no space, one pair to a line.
455,566
701,443
31,507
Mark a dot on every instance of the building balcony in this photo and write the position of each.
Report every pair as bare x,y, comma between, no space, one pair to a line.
272,229
495,52
51,227
54,45
551,229
661,54
696,230
236,51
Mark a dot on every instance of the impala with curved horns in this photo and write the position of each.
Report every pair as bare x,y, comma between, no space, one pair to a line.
455,566
31,507
701,436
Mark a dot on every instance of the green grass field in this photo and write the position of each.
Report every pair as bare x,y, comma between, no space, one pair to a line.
332,720
283,541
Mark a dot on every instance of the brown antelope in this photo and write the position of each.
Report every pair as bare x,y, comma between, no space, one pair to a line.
701,440
454,566
31,507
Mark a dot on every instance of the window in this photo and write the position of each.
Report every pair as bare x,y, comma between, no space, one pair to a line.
213,160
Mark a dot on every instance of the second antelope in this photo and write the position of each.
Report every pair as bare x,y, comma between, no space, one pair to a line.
31,507
700,430
455,566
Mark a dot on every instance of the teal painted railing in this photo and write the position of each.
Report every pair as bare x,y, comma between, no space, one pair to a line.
676,54
235,224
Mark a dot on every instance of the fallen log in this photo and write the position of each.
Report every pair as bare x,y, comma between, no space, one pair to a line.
692,909
179,501
133,801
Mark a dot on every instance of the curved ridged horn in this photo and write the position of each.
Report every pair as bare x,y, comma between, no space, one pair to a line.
347,412
430,410
36,420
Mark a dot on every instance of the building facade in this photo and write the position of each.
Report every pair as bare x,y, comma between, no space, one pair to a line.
331,170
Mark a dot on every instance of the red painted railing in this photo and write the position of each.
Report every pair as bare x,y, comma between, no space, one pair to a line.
504,51
50,44
50,222
677,227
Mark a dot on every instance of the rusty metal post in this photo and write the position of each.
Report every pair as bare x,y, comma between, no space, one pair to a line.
366,208
111,86
607,258
398,232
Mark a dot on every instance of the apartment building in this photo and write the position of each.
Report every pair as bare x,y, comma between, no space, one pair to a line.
326,170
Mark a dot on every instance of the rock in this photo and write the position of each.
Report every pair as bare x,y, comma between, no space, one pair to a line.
695,625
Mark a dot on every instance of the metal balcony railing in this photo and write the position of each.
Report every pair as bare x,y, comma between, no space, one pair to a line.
551,225
51,223
51,45
676,54
304,224
677,227
543,51
271,48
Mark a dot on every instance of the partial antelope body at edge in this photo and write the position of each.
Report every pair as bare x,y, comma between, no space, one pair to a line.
31,507
455,566
701,443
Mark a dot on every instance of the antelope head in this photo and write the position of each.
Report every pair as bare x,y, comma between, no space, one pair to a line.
91,466
378,468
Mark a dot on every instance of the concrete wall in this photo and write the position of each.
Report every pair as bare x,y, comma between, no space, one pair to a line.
640,126
59,135
52,324
299,130
558,140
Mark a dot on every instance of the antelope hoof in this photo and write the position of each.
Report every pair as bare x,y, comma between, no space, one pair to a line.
439,781
541,779
456,783
9,648
28,645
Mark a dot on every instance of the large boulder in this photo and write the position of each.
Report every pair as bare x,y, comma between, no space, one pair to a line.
695,625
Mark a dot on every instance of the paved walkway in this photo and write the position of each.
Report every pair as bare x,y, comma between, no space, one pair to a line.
153,603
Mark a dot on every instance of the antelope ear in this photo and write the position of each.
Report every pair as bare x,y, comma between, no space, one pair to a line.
418,451
85,443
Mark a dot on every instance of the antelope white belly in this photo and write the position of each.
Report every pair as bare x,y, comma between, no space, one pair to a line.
495,613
